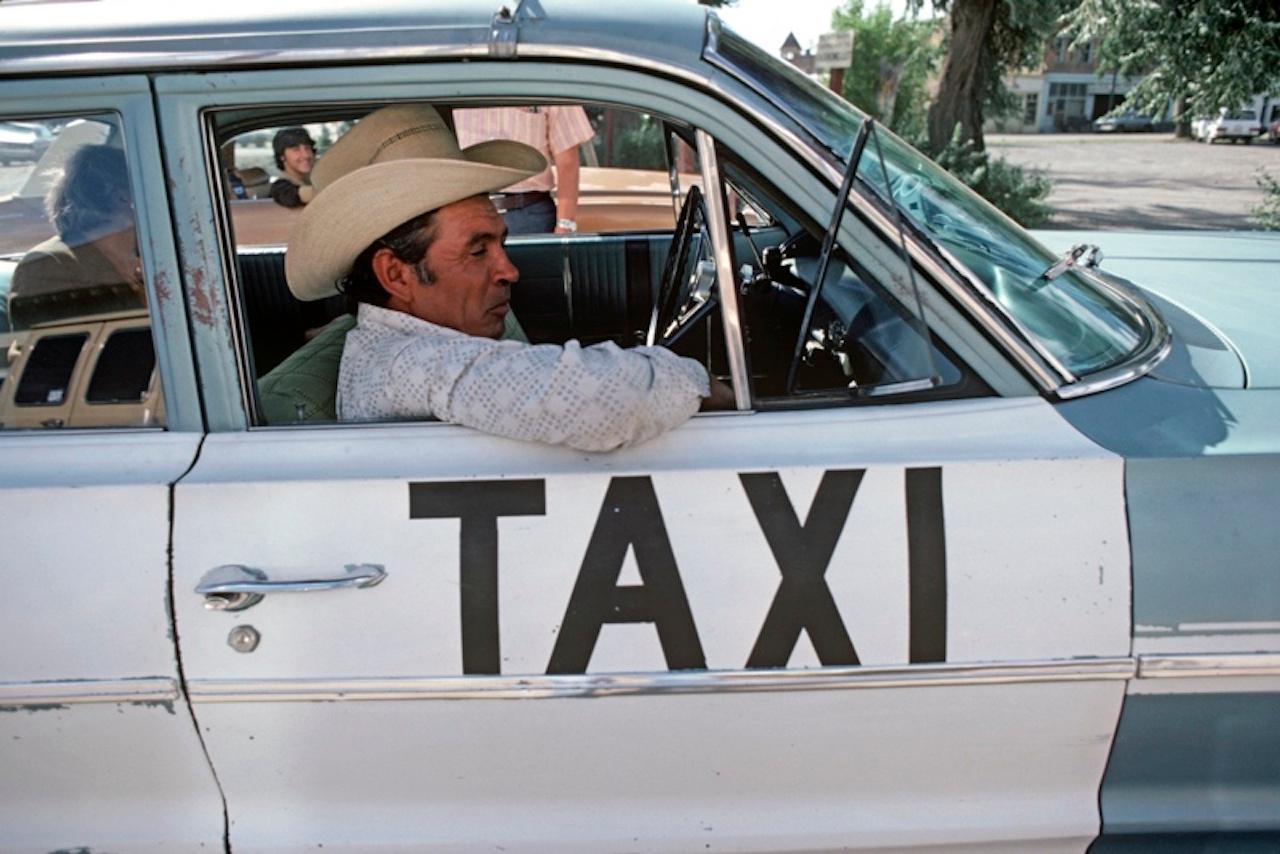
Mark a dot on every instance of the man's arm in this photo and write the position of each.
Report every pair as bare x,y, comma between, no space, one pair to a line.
567,129
597,398
289,194
566,187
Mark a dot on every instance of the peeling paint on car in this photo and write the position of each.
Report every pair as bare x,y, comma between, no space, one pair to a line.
35,707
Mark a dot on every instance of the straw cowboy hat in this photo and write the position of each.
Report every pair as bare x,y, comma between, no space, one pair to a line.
396,163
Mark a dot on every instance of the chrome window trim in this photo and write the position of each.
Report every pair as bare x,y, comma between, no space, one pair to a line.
646,684
1192,666
150,689
735,350
1142,361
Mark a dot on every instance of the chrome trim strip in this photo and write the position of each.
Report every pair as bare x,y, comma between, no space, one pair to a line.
626,684
148,689
1140,363
1189,666
735,351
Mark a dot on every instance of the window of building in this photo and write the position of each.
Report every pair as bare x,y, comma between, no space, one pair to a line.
1030,106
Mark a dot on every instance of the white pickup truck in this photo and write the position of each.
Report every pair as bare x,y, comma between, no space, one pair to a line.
1240,124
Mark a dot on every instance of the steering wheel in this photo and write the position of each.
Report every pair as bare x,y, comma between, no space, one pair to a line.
687,292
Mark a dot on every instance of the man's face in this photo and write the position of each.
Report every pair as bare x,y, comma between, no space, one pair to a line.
299,158
471,275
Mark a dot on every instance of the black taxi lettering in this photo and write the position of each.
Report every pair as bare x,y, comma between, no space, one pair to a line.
630,519
479,504
803,601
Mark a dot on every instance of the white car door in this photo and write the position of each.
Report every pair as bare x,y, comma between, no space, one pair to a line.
785,631
897,625
98,750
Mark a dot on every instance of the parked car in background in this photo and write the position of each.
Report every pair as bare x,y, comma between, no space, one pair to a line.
1240,125
1126,122
982,559
1273,132
23,142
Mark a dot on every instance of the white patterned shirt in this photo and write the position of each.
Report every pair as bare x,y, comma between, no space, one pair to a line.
598,398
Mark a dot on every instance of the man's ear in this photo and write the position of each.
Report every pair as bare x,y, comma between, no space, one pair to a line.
395,276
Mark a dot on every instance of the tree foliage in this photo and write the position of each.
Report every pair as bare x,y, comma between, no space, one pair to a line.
892,61
1017,191
1267,214
1205,53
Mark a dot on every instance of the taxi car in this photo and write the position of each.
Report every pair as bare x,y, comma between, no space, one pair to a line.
984,559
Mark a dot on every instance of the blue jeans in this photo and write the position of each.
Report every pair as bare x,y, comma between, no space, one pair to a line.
537,218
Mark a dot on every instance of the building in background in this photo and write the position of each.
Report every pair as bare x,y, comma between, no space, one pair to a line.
1066,93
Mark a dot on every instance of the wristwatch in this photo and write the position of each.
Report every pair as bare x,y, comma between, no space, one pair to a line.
567,224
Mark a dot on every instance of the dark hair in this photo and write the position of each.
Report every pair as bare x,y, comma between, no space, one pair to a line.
288,138
92,197
408,241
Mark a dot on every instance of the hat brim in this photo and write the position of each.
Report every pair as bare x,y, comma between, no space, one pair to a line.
358,208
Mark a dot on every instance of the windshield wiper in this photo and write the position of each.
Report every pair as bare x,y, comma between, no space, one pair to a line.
1082,255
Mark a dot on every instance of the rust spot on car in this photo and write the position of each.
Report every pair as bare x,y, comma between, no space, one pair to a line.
202,299
163,292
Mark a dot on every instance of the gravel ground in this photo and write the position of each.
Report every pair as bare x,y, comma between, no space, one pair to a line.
1144,181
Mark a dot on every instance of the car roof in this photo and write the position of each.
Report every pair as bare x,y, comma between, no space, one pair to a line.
110,36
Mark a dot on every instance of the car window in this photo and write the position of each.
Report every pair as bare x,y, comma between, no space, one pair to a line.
49,367
70,272
124,367
592,283
650,280
860,344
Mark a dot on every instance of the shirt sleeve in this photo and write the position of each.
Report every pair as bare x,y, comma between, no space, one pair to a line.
567,127
285,193
596,398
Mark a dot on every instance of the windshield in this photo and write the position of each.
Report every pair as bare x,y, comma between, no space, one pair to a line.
1077,321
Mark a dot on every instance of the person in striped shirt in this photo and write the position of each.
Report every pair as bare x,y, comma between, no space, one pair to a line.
529,207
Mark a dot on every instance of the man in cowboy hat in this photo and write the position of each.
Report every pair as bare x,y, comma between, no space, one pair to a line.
402,223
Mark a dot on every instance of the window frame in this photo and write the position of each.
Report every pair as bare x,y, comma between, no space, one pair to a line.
187,103
127,99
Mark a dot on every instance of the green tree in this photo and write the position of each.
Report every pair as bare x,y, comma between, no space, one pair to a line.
892,61
1197,54
1267,214
987,41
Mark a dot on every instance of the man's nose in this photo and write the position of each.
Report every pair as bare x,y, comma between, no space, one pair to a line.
506,272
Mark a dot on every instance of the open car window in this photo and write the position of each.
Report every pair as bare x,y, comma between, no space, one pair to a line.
652,277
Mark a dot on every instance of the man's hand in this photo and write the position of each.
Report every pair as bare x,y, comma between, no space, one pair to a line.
721,396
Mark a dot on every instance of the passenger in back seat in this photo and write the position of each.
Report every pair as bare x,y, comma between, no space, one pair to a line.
416,242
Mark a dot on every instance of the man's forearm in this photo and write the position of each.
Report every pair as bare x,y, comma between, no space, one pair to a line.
567,185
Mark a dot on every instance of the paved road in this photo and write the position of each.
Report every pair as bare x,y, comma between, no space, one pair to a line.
1135,181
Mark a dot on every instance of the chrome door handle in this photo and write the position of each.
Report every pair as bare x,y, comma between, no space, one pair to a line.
233,587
